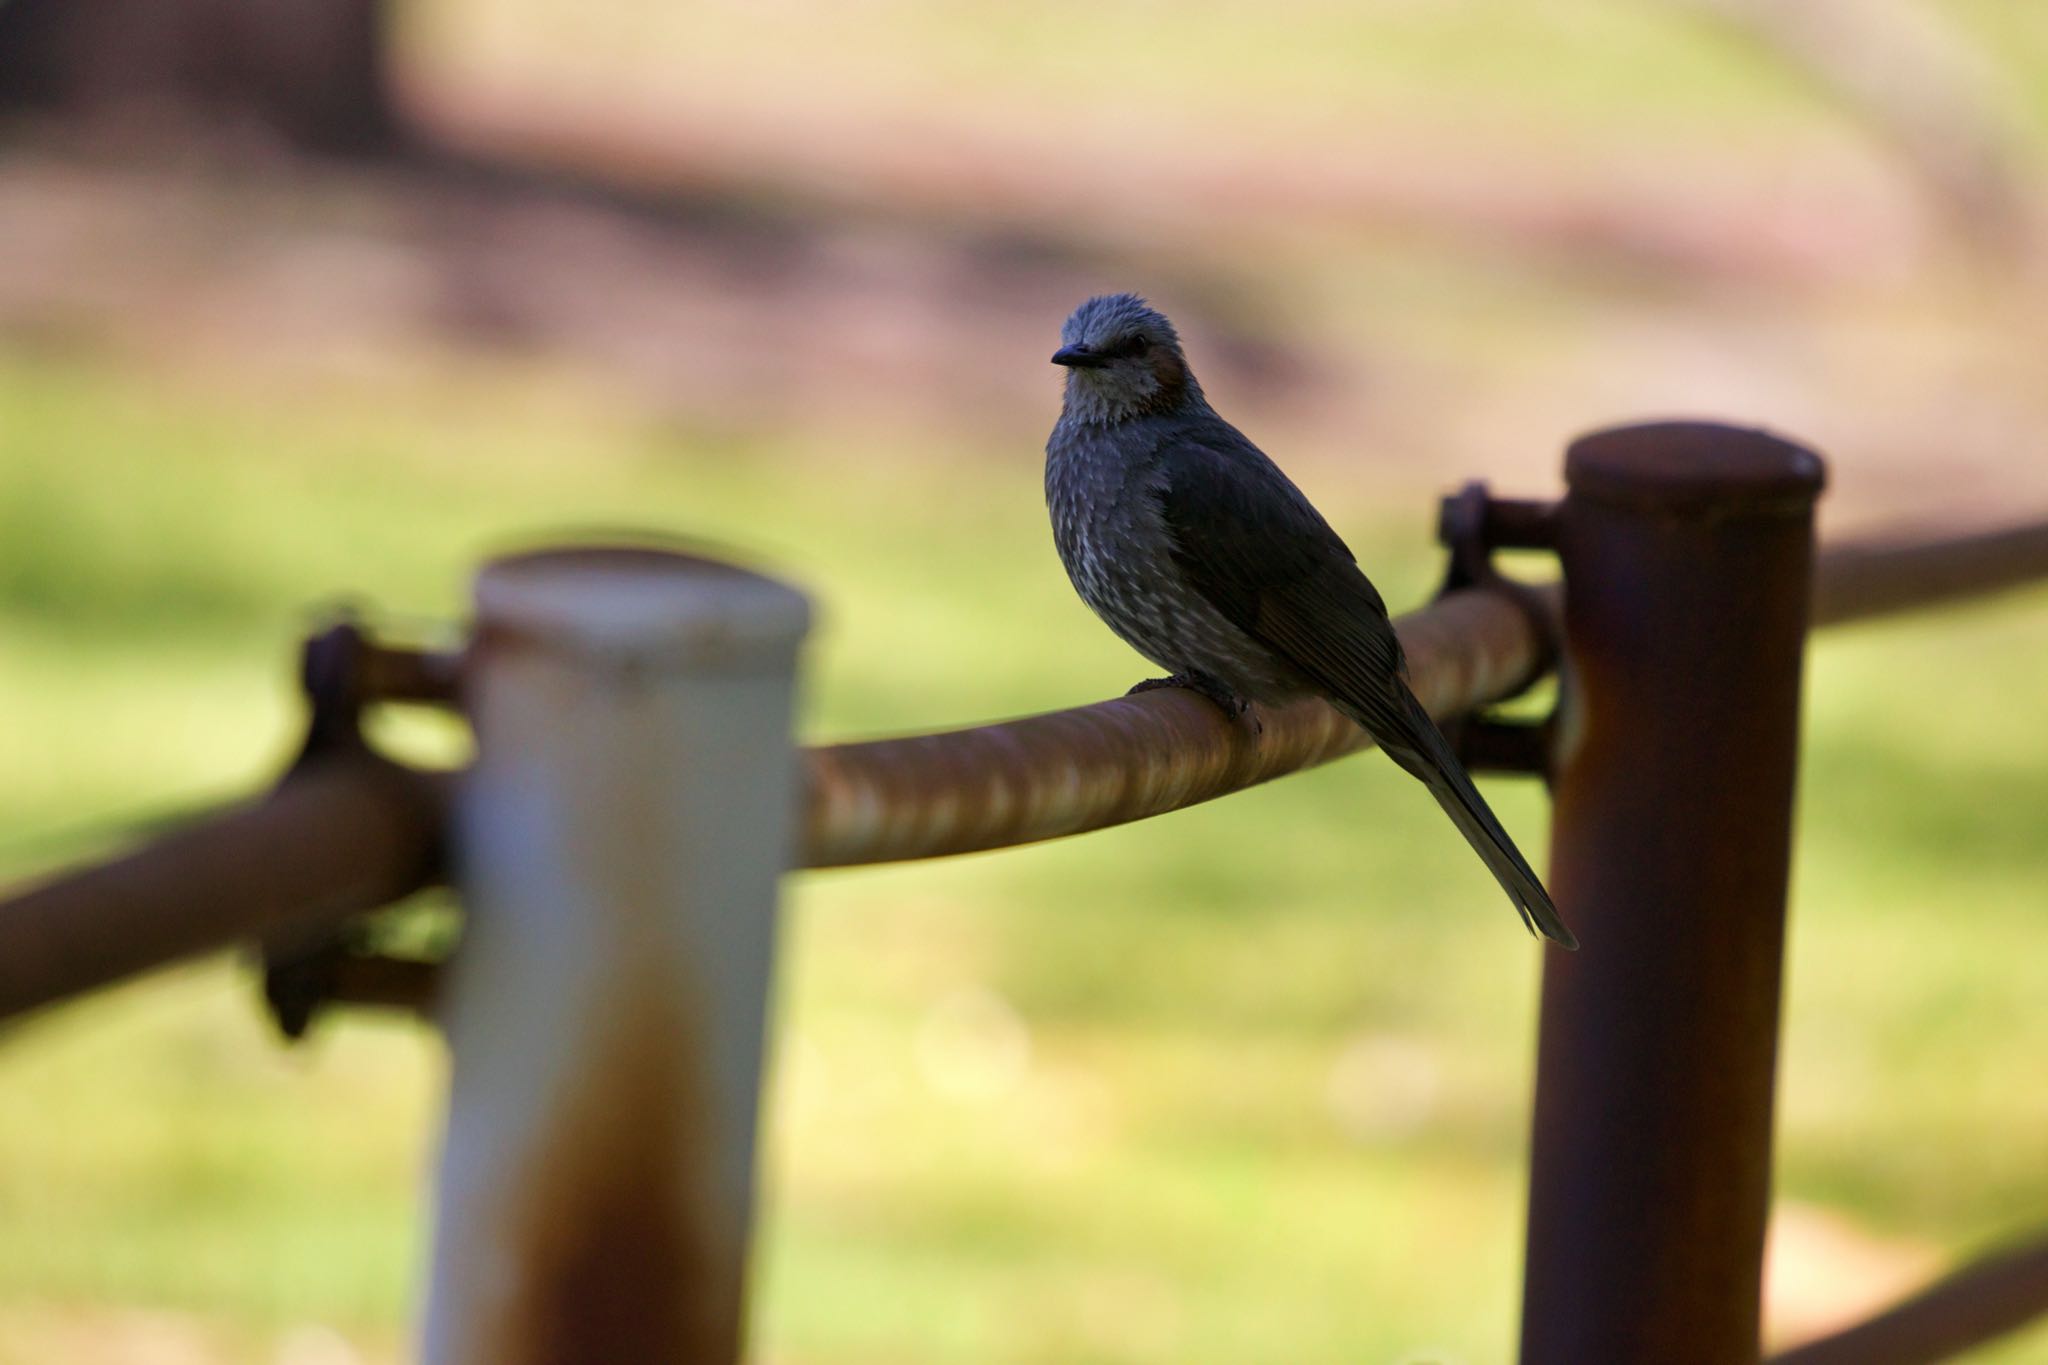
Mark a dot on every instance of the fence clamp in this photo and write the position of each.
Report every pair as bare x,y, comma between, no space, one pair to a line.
1472,525
341,671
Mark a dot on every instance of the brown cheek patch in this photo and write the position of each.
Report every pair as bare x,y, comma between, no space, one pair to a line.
1171,373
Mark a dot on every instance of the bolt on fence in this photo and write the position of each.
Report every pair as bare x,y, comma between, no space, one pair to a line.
637,793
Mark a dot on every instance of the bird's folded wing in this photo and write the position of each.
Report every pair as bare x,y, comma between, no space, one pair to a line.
1256,550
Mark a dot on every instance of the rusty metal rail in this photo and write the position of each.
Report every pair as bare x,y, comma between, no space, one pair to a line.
358,833
1889,574
1068,772
1983,1301
340,836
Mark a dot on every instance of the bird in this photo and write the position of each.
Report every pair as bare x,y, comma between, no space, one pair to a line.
1202,555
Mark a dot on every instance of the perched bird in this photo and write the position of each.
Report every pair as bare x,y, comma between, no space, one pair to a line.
1194,547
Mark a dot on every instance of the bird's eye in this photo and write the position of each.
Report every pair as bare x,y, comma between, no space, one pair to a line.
1136,345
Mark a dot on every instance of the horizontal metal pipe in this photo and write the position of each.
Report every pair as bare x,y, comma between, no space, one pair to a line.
1885,575
1977,1304
312,853
1067,772
341,835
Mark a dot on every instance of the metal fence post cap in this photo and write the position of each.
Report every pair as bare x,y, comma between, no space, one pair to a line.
639,600
1695,467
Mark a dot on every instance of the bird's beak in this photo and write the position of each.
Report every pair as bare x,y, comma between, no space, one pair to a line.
1079,358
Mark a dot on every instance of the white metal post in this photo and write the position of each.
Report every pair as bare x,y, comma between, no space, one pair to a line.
619,842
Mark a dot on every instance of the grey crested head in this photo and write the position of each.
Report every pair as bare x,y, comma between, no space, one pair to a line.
1123,360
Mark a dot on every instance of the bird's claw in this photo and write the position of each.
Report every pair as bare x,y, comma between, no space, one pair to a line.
1234,707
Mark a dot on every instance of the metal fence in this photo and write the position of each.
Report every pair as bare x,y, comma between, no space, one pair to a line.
637,795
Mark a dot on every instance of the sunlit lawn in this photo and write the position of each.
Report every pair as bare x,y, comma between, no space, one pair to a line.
1245,1083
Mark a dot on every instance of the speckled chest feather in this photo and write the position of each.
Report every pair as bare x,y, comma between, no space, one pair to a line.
1101,483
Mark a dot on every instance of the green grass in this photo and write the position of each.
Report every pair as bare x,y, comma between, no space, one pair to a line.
1248,1082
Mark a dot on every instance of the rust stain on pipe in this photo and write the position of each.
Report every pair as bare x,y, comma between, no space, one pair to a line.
1066,772
612,1262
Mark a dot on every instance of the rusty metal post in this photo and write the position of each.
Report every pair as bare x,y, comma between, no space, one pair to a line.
619,843
1687,550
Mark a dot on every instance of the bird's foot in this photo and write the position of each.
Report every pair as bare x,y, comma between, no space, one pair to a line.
1228,702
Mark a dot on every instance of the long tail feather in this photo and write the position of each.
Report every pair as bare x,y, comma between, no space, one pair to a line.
1424,751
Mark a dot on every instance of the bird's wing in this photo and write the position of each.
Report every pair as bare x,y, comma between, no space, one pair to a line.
1253,547
1250,544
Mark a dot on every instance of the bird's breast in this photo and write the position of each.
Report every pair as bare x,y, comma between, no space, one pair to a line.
1116,546
1101,521
1120,555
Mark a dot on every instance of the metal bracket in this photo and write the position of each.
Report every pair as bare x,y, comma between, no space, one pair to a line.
1472,525
341,671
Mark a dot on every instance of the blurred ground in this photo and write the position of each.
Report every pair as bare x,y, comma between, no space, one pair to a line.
1411,264
1248,1082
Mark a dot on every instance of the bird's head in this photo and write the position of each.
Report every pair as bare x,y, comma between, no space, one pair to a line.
1123,359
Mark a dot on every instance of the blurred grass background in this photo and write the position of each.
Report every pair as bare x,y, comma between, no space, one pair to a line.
1250,1079
1247,1082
